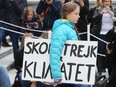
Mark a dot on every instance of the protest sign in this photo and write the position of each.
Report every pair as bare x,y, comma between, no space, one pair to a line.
78,61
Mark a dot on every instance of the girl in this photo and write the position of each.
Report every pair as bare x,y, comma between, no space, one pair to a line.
31,21
63,30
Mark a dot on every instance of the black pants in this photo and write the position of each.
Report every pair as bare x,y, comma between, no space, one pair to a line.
112,80
66,85
100,63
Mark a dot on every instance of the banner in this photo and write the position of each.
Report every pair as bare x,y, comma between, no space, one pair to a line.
78,61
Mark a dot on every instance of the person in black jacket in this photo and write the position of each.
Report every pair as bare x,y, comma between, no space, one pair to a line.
51,10
111,47
31,20
13,10
93,27
82,23
98,4
18,65
101,22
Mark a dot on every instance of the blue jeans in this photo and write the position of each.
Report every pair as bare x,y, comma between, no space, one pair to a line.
4,78
13,37
24,83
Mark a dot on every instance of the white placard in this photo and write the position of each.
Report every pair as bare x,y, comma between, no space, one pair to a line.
78,61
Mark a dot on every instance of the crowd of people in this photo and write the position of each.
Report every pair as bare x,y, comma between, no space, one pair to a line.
65,19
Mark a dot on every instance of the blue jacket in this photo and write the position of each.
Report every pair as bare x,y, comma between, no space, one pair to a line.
63,30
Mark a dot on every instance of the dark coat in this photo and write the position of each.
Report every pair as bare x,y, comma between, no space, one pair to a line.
82,22
2,4
1,13
95,19
13,10
53,13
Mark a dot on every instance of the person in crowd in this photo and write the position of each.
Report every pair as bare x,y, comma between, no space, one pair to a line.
63,30
19,62
82,23
13,10
4,78
111,48
51,12
102,22
93,27
31,20
98,5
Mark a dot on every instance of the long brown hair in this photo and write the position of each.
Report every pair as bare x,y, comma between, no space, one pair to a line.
68,8
97,4
26,11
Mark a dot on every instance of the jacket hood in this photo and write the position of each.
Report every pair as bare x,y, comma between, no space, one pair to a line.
60,22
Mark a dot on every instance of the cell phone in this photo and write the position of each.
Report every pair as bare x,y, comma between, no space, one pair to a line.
32,24
108,9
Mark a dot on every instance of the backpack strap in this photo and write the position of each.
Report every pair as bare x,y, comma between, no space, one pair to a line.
46,11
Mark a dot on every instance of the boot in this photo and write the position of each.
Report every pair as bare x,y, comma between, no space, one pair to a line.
5,43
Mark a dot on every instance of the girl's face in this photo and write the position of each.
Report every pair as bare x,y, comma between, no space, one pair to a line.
106,3
30,15
73,16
